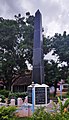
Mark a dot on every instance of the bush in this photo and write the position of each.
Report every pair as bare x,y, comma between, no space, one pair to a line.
2,97
16,95
41,114
58,116
6,113
4,92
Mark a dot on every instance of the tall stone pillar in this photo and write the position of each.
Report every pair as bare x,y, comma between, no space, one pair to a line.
38,66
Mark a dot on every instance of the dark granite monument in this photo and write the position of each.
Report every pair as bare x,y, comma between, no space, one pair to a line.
38,92
38,66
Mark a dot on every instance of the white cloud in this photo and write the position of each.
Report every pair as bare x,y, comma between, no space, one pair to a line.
62,64
55,13
52,27
49,56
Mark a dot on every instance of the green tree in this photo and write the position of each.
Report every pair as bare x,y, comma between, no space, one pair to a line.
8,42
52,74
16,46
16,38
59,45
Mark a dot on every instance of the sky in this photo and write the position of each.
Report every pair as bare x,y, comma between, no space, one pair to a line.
55,13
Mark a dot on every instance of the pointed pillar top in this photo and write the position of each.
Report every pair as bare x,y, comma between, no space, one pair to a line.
38,12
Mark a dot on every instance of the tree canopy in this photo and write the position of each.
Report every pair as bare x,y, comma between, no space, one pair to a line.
16,46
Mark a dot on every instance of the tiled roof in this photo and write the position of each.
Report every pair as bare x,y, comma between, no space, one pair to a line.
23,80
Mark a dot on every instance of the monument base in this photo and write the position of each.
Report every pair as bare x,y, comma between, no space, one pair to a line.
41,94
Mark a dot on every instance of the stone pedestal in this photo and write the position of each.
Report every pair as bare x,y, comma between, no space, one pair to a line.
41,94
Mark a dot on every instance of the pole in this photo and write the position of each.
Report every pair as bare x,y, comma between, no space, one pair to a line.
33,96
61,90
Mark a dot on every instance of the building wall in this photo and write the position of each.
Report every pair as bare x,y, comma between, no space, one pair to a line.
19,88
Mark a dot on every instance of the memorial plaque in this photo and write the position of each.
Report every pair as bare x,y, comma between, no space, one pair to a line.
29,94
40,95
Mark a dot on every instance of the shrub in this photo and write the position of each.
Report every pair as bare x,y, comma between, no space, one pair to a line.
58,116
4,92
41,114
2,98
16,95
7,112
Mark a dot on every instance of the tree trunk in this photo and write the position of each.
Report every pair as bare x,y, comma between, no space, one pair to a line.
55,86
8,86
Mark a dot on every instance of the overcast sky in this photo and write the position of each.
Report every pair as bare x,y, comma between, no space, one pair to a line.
55,13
